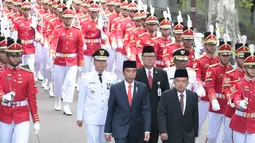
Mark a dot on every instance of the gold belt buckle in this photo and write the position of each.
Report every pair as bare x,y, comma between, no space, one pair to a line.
65,55
248,115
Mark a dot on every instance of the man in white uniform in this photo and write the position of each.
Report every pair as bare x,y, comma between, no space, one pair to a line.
93,97
180,58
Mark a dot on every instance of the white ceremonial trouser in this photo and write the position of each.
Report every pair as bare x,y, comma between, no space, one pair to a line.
39,57
14,133
29,60
64,82
88,60
111,60
228,132
243,138
203,112
215,127
95,134
119,65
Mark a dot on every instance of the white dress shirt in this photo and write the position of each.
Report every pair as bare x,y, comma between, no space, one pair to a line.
132,89
147,72
184,100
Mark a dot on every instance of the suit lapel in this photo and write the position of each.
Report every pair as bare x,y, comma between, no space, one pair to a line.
123,90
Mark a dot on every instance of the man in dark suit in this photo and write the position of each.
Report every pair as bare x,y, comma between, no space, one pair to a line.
129,112
156,81
178,112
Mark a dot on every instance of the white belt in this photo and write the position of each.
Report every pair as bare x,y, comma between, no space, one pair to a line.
159,62
15,104
92,40
25,42
221,96
244,114
66,55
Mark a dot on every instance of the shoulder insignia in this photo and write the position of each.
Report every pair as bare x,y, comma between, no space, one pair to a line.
170,44
208,73
142,34
201,56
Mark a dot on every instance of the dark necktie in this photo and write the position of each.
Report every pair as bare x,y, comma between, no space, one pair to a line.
182,102
100,77
150,79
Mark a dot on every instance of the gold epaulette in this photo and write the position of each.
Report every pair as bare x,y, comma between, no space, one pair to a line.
135,29
228,72
172,42
76,27
201,56
26,69
142,34
16,18
53,19
154,38
214,65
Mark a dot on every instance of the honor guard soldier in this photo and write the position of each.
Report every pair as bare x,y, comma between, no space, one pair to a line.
233,76
213,86
16,10
180,59
201,65
8,7
188,37
125,24
147,38
242,122
17,97
163,43
27,28
3,48
130,36
93,34
93,98
177,33
68,44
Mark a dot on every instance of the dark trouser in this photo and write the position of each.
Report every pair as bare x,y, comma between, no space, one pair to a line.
154,134
126,140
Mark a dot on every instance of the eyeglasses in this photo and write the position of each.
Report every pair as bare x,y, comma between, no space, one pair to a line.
149,57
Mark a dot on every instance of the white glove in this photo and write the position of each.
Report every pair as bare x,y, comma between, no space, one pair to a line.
38,36
36,127
80,69
231,104
108,46
215,105
34,23
85,46
9,97
103,35
242,105
201,91
120,43
114,45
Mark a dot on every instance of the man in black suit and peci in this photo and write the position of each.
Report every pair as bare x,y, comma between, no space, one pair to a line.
178,112
157,82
